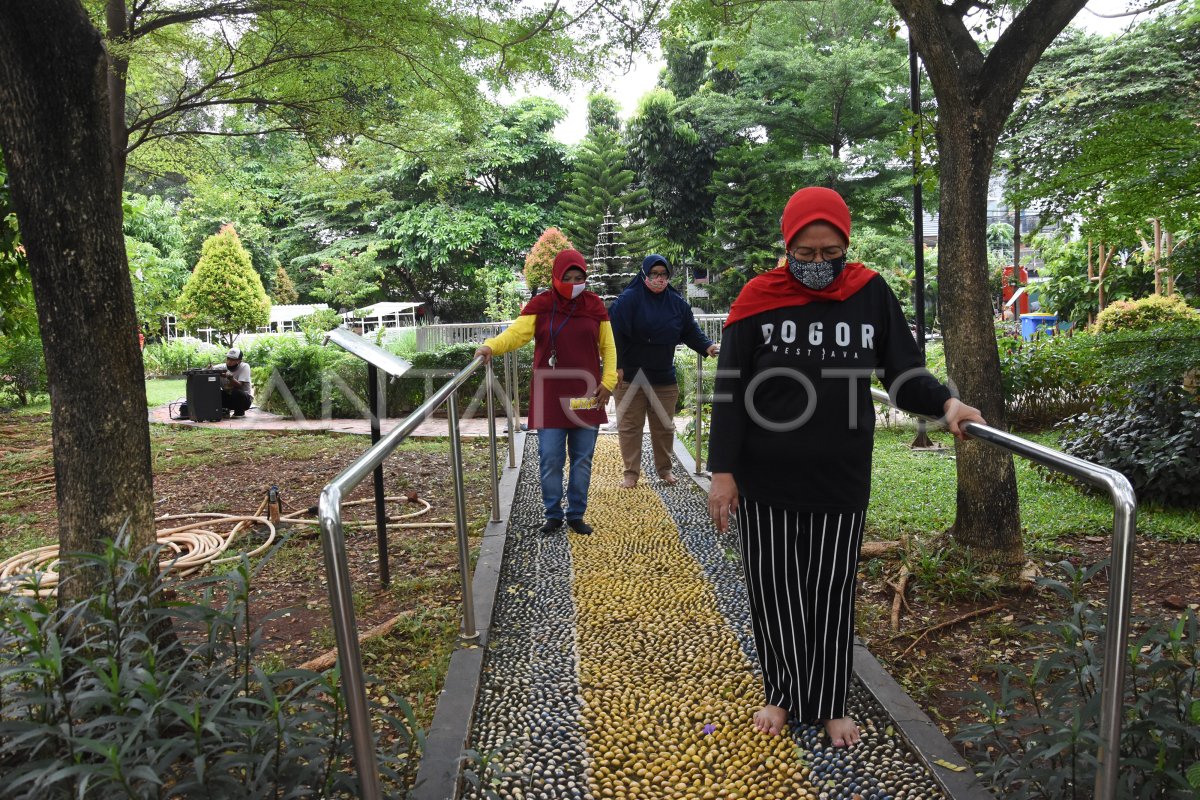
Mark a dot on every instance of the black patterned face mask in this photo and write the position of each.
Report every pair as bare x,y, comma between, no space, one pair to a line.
816,275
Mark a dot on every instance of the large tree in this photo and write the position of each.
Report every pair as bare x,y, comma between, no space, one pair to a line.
322,68
976,87
53,132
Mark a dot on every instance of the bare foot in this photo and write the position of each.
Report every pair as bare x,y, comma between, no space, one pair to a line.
842,732
629,482
771,720
669,478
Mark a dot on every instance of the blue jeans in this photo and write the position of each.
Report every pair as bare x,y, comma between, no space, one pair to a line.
553,445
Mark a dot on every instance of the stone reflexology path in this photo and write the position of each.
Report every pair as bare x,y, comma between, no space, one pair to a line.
621,665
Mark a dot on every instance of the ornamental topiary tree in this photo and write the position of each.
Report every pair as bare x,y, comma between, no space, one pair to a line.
539,263
224,292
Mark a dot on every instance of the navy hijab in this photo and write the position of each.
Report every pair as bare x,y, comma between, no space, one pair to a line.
643,316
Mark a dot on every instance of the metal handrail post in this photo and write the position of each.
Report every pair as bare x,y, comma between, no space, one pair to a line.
1120,591
385,577
512,422
460,522
341,602
333,544
697,422
1120,581
515,397
489,375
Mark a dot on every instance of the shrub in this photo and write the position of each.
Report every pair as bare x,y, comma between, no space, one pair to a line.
321,380
1050,379
539,262
1038,736
1163,353
432,368
22,368
314,326
174,357
1151,436
1143,314
94,705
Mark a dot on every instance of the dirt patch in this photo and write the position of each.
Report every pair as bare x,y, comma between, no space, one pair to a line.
935,667
229,472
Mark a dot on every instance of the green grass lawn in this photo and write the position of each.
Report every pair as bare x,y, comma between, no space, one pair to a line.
164,390
914,492
158,391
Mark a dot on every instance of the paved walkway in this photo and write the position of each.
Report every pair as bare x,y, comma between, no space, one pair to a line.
258,420
622,665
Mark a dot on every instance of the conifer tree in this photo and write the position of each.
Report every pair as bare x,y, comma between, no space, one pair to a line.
224,292
744,238
284,291
602,185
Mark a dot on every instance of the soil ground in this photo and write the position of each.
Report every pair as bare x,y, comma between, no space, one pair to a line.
229,472
937,664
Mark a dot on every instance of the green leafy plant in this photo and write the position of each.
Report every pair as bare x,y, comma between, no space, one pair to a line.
1151,436
1140,315
22,368
314,326
313,376
1052,378
1038,735
130,695
174,357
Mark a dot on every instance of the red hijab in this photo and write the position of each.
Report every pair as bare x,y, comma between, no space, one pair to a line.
778,288
587,304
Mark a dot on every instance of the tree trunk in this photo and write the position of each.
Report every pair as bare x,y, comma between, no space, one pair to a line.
118,70
54,131
987,520
975,94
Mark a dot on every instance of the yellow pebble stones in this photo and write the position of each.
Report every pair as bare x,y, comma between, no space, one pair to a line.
668,694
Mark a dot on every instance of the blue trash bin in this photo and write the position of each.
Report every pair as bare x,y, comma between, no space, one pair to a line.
1032,323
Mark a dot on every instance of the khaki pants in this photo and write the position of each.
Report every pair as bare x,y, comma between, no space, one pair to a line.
634,402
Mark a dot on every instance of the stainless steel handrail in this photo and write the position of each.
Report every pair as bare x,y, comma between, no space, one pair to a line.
333,544
1120,580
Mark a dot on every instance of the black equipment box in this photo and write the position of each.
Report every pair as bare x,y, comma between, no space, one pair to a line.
204,395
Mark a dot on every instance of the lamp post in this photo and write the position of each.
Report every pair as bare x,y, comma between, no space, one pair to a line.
914,94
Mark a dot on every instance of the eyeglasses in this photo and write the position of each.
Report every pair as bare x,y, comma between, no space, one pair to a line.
656,273
826,253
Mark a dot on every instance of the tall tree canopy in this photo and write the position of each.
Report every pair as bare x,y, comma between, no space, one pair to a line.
1107,125
437,232
323,68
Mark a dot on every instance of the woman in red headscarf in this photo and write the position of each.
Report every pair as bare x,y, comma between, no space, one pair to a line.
574,372
790,451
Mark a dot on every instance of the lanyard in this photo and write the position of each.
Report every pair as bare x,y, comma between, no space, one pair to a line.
555,332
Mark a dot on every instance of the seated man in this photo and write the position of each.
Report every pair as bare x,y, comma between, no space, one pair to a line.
236,392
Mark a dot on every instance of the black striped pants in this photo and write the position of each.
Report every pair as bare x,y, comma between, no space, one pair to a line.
800,570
